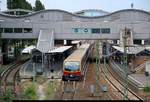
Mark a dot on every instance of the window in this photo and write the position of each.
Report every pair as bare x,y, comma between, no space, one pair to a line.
72,66
1,30
76,30
105,30
27,30
95,30
8,30
17,30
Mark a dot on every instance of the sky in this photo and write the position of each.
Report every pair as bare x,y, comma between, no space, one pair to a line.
77,5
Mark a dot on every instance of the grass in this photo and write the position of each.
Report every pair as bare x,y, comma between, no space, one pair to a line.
50,88
8,97
29,90
146,89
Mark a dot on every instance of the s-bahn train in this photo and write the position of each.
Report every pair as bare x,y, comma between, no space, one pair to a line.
105,50
74,65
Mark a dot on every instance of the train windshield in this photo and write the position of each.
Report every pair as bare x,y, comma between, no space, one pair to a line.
72,66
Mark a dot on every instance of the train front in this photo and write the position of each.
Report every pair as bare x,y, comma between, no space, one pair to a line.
71,71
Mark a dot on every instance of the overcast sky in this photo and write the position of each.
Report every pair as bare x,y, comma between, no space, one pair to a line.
77,5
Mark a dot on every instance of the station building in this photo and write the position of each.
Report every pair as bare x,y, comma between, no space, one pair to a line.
18,31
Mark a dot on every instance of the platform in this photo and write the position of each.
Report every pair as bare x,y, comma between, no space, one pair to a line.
141,79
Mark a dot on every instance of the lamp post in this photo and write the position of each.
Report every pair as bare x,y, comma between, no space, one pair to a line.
125,64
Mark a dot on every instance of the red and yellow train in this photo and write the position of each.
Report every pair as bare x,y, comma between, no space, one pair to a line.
75,64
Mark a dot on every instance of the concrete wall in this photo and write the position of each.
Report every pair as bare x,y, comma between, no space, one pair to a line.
62,23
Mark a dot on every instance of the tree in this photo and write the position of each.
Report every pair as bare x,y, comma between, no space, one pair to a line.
28,6
9,4
18,4
38,6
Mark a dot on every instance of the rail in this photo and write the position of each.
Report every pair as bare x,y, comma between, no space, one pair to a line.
69,90
13,69
129,90
122,75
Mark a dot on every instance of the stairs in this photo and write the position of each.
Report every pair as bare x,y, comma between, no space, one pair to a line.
45,40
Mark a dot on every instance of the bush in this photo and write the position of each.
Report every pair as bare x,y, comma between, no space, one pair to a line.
50,88
30,92
8,97
146,89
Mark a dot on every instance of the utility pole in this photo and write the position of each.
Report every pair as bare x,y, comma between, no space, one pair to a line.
125,64
97,86
104,57
34,73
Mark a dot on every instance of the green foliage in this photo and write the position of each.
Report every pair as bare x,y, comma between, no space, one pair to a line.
50,88
146,89
18,4
30,92
38,6
8,97
23,4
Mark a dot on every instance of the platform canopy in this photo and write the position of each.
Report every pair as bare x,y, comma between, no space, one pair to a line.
60,49
28,49
130,50
75,41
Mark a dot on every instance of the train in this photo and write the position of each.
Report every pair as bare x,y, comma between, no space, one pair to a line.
105,52
74,65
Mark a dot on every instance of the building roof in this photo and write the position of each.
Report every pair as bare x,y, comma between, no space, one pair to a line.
78,54
92,12
60,49
53,10
45,40
75,41
130,50
28,49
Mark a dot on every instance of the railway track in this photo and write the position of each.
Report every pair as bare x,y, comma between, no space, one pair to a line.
71,87
69,90
9,77
111,78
